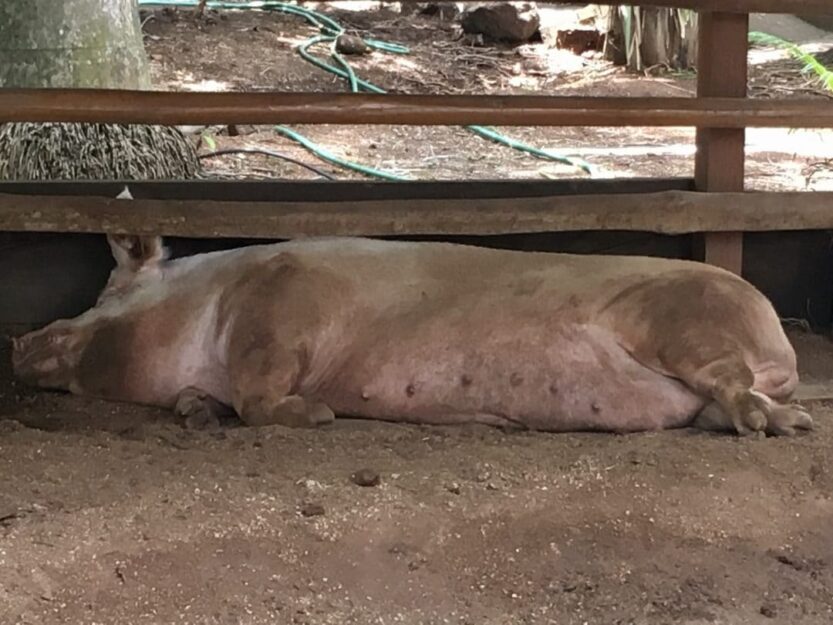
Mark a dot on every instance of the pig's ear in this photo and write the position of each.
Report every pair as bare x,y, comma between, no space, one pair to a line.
136,252
125,194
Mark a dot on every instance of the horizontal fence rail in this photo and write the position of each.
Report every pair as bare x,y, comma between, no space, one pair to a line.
325,191
724,6
172,108
668,212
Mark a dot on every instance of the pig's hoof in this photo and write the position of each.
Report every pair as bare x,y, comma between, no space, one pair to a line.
785,420
321,414
752,411
189,401
199,410
202,421
291,411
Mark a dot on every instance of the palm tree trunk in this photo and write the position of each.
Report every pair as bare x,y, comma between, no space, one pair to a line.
72,43
82,44
647,37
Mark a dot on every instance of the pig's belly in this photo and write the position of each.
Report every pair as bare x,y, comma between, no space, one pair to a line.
567,379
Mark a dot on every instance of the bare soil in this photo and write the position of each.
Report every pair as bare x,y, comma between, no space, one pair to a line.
112,513
254,51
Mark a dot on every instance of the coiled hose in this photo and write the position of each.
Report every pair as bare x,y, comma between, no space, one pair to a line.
330,31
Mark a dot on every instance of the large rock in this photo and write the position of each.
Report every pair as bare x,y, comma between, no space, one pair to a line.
513,22
577,29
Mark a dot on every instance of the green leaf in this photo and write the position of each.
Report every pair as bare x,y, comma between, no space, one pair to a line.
811,64
208,139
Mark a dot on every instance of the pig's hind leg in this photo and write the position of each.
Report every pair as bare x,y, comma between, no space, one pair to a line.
740,402
723,339
781,419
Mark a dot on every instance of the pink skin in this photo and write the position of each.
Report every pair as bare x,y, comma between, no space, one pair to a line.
296,332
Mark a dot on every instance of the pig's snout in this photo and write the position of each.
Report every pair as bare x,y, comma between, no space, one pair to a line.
44,358
21,353
18,347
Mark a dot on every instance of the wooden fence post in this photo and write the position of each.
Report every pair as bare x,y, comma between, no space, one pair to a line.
722,72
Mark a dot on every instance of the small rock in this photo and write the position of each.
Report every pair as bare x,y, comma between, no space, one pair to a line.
311,486
350,44
453,488
816,472
236,130
366,477
580,41
417,563
312,509
768,610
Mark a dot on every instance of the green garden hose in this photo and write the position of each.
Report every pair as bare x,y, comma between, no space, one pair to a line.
325,155
330,30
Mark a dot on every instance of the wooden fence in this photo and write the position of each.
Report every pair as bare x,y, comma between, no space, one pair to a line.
718,207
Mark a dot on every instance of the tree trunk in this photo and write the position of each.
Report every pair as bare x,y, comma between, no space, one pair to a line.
82,44
72,43
650,37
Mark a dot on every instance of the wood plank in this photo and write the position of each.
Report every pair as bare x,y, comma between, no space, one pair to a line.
722,71
172,108
305,191
726,6
670,212
724,249
808,392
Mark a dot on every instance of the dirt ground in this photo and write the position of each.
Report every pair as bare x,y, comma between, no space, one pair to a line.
116,514
254,51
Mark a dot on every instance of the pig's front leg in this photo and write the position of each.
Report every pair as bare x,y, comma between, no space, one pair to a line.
199,409
274,316
264,381
291,411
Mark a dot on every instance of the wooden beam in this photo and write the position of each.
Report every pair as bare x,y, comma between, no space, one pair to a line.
669,212
726,6
172,108
354,190
719,166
